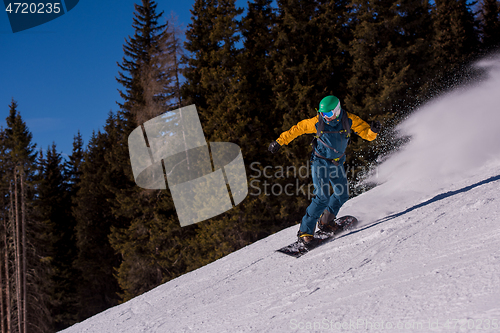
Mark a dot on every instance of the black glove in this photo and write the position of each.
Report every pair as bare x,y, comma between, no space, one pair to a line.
274,147
375,126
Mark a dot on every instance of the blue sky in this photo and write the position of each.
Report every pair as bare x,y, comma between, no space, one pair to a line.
62,73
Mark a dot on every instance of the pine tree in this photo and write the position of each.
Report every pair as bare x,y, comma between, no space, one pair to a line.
141,52
218,82
253,85
97,260
146,260
151,247
5,304
67,246
53,207
18,140
26,298
172,55
455,39
73,167
303,64
211,38
200,45
21,158
490,25
390,49
258,37
391,52
253,97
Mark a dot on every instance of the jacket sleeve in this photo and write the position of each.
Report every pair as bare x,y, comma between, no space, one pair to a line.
306,126
361,128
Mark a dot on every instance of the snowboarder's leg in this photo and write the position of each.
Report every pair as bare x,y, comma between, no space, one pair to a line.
320,176
340,190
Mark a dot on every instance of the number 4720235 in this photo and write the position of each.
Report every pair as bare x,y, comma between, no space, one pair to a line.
477,324
33,8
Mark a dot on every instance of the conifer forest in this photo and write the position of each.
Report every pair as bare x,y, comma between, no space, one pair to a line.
78,236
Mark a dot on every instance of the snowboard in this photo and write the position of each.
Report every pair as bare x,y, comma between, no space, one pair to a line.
298,249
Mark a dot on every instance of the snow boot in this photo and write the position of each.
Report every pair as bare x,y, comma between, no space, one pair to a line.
306,239
326,223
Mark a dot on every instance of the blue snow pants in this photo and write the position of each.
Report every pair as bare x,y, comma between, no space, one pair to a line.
325,173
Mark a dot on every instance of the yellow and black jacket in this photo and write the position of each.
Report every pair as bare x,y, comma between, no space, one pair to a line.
333,137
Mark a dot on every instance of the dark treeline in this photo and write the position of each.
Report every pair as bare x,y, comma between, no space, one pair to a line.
78,236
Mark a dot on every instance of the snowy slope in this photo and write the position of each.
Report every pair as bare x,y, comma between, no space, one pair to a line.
426,256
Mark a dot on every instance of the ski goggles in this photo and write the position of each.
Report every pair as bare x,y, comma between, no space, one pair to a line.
335,113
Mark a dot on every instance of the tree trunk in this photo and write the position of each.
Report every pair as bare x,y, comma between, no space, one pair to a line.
8,305
7,280
18,256
176,64
23,226
2,312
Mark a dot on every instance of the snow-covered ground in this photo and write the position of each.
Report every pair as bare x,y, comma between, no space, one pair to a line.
425,258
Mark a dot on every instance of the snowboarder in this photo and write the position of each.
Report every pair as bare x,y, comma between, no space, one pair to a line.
333,127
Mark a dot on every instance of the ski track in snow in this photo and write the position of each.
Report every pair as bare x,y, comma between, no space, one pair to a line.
427,251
